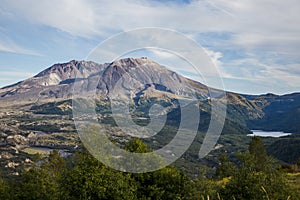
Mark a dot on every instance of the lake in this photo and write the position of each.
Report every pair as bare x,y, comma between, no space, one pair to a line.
275,134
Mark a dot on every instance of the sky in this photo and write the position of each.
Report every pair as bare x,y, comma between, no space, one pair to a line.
255,44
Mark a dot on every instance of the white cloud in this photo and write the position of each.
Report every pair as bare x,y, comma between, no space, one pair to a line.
6,49
257,27
249,75
254,22
162,54
215,56
74,17
280,72
13,48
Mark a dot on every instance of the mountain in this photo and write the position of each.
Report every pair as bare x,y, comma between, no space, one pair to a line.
57,81
268,112
55,84
281,113
36,114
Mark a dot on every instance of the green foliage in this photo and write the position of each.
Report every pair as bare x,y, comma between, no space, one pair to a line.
205,188
294,181
167,183
248,183
298,162
285,149
89,179
137,146
225,168
42,182
3,189
257,177
81,176
258,151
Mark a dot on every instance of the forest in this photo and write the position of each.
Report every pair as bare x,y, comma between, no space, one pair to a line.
254,175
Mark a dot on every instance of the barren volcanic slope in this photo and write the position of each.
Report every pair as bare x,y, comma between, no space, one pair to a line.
36,114
53,83
57,82
152,82
269,112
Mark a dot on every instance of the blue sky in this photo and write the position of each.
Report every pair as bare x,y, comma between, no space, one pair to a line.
254,43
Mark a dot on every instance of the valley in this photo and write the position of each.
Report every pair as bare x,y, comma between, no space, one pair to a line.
36,114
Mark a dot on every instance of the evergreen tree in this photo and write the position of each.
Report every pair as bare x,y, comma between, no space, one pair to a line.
3,189
137,146
166,183
225,168
257,177
258,151
298,163
90,179
42,182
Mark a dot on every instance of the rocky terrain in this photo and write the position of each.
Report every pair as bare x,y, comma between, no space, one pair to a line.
56,82
36,114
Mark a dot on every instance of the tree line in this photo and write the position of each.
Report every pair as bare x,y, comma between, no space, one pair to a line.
81,176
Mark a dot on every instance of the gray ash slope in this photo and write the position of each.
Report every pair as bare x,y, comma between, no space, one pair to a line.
56,84
57,81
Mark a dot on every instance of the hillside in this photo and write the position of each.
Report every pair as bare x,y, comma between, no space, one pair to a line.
36,114
281,113
152,81
266,112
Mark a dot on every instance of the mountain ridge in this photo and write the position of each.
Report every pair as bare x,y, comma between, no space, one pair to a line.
38,112
56,84
56,81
